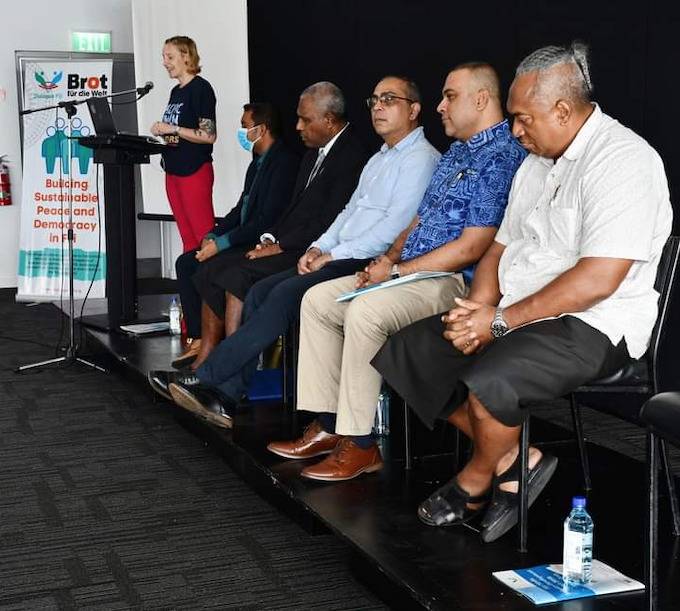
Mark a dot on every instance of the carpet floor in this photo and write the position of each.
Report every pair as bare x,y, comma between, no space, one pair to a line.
107,504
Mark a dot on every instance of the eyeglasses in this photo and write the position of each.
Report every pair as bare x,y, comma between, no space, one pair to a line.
386,99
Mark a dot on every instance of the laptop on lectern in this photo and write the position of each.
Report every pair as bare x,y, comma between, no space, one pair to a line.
102,118
104,125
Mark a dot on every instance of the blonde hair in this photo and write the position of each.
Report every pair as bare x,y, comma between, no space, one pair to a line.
187,47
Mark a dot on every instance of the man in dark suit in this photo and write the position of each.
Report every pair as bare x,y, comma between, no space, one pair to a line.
328,175
268,186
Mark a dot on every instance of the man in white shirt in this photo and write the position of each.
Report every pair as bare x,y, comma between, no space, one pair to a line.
564,295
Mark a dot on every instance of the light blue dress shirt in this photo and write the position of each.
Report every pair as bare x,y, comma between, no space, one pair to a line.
385,201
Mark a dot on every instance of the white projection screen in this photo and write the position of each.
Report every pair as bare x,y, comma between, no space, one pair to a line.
220,30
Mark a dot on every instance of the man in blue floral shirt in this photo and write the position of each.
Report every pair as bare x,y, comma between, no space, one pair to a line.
456,222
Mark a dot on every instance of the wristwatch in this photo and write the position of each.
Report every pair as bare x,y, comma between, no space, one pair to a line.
498,325
395,272
267,236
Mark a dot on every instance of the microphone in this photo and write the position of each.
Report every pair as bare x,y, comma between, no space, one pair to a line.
148,86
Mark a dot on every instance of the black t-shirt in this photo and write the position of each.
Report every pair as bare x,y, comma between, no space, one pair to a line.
187,104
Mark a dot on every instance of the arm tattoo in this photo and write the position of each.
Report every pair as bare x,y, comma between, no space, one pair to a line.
207,125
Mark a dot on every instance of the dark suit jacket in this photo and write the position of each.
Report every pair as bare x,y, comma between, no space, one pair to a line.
269,196
312,210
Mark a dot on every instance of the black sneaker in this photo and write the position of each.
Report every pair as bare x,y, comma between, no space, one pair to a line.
207,402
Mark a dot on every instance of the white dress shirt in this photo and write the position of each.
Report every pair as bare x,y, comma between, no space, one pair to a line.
606,196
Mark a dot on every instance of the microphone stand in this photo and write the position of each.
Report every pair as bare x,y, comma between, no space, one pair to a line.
71,351
70,105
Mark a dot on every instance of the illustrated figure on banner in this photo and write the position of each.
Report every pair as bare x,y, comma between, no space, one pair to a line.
58,145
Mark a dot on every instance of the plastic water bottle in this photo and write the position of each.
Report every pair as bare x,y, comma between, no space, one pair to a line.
577,560
381,426
175,315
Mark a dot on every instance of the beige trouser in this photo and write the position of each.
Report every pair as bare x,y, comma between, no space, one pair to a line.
338,341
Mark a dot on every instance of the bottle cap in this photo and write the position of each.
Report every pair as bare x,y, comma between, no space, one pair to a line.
578,502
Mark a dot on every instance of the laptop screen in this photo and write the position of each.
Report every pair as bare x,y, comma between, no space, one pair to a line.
102,119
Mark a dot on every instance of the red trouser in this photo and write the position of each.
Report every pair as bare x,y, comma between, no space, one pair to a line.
190,199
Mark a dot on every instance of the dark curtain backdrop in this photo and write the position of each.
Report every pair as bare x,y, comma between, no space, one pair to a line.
354,42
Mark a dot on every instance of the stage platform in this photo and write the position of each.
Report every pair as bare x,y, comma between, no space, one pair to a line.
422,567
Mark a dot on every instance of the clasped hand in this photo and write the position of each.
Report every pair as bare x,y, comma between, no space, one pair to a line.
312,261
208,249
264,249
468,326
375,272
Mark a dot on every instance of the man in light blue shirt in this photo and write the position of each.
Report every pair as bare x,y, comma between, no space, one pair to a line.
382,204
456,222
390,188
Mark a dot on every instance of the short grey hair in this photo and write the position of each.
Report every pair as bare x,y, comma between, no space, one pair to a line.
328,99
575,84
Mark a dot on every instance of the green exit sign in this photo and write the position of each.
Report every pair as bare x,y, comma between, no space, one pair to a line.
92,42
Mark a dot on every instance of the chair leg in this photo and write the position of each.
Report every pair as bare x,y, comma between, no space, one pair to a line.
524,488
581,441
456,451
408,459
651,591
284,369
670,482
294,341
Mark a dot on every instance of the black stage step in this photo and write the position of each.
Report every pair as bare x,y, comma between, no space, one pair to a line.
439,569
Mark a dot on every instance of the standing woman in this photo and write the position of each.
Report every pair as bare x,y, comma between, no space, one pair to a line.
189,130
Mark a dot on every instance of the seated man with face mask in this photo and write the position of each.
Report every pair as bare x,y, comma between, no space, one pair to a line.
268,187
390,188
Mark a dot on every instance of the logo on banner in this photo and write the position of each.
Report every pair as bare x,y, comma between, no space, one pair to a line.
43,83
77,85
86,86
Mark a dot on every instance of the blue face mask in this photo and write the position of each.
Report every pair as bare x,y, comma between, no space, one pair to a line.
242,136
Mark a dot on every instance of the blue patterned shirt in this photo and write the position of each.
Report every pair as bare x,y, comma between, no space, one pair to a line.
469,188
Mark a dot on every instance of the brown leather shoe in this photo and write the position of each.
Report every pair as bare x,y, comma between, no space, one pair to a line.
189,355
314,442
345,462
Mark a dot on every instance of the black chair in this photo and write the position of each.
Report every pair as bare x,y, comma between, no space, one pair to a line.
643,378
289,354
661,415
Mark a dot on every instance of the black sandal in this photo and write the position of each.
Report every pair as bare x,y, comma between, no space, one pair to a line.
447,506
499,498
503,512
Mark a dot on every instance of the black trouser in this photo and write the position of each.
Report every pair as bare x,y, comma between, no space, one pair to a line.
185,267
539,362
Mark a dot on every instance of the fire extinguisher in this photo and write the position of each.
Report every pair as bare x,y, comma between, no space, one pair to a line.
5,194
